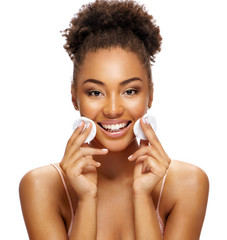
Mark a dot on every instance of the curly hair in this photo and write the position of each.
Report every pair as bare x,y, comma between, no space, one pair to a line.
111,23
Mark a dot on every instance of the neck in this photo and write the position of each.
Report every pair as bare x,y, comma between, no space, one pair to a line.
115,165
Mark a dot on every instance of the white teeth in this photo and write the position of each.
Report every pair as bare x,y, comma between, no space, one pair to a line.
114,127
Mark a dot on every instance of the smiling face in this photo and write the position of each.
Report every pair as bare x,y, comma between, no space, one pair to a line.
112,89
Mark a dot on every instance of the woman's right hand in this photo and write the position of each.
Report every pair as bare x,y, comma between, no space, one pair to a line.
79,165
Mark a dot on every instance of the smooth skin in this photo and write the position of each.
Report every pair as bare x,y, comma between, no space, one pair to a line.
114,183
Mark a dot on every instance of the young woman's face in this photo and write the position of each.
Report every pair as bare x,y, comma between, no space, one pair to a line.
112,89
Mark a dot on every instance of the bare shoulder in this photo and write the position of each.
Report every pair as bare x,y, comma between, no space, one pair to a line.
188,174
40,183
39,177
186,195
187,180
41,202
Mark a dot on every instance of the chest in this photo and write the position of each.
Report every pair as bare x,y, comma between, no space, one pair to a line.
115,216
115,213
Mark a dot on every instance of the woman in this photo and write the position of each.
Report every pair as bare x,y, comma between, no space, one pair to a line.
114,187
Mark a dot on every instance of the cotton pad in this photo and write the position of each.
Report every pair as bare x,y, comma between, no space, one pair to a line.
92,133
138,129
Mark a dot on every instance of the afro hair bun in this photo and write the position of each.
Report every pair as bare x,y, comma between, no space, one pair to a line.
104,15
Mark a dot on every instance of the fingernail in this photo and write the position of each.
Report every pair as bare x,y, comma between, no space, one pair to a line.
104,149
130,157
80,123
98,163
145,120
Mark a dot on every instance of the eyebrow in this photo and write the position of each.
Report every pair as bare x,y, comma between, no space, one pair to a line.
123,83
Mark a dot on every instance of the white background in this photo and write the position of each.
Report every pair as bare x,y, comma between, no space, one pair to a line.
189,99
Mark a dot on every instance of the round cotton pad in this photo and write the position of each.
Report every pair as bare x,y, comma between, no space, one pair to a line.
92,134
138,129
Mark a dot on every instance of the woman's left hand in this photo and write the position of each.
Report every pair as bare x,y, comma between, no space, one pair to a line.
152,162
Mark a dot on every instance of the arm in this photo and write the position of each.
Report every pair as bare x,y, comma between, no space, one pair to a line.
80,169
146,222
85,220
150,167
40,202
191,187
40,206
189,193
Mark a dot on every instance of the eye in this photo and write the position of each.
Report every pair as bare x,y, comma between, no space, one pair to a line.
94,93
130,92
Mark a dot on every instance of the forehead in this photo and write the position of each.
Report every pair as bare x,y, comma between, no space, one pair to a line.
111,64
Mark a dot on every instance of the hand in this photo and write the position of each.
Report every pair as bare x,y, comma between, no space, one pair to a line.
152,162
78,163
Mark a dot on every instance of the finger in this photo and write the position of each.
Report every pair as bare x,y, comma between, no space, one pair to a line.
76,133
155,143
143,153
145,167
146,150
83,135
151,136
89,168
86,151
139,165
74,148
142,158
85,145
137,169
78,140
153,166
84,162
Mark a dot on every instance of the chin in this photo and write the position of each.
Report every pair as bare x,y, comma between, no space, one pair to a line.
116,145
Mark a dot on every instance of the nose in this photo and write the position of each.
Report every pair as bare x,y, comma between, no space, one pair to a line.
113,107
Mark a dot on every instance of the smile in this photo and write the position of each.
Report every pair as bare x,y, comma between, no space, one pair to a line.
114,129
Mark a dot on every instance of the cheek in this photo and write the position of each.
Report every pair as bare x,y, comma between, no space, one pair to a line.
138,107
89,108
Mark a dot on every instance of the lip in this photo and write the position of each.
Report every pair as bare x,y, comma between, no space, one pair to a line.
113,121
116,134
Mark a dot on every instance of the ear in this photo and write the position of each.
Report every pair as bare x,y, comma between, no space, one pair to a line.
150,100
74,96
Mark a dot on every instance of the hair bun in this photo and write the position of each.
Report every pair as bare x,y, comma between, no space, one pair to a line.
103,15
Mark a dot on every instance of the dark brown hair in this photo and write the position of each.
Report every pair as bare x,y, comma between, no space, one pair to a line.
111,23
